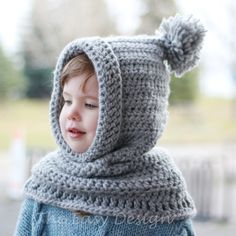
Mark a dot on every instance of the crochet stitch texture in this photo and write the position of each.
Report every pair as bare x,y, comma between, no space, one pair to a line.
122,173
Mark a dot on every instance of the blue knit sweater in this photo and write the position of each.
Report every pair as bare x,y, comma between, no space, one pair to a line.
41,219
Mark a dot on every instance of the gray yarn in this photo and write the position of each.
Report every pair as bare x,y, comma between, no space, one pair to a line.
122,174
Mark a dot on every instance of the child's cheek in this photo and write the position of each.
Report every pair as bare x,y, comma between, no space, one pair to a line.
62,119
93,121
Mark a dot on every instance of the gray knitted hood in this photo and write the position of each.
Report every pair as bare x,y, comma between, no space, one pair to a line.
122,173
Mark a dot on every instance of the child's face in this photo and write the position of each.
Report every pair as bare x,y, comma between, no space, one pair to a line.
79,115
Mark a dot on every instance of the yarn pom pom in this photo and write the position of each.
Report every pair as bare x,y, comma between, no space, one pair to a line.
181,39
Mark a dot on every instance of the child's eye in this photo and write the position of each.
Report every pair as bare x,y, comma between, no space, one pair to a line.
67,102
90,106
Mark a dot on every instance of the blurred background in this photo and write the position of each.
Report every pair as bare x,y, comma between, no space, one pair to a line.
201,131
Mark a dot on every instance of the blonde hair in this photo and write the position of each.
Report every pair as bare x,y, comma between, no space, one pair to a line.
76,66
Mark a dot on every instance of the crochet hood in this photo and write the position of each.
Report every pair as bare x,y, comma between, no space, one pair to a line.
122,172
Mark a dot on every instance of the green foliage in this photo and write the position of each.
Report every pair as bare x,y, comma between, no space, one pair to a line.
11,79
39,82
49,28
184,89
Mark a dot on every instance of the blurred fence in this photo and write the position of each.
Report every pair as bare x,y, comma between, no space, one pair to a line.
210,174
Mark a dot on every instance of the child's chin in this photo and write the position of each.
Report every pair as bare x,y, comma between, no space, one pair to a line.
78,149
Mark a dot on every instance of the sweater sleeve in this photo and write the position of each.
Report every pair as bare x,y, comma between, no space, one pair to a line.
24,222
185,228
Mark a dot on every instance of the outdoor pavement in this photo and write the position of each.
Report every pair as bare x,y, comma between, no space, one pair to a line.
215,229
9,210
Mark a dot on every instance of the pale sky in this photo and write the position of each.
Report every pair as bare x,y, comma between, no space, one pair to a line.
215,77
214,14
12,13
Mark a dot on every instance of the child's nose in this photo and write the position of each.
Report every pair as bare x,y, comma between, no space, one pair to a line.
74,114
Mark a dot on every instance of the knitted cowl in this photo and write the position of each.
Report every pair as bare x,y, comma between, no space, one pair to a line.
122,174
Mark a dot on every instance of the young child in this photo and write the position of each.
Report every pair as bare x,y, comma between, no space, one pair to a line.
108,108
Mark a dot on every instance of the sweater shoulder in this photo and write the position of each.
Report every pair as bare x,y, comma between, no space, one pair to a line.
26,217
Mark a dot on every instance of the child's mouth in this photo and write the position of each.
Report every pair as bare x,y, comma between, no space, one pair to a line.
75,133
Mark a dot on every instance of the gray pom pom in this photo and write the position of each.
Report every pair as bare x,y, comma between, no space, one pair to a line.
181,39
